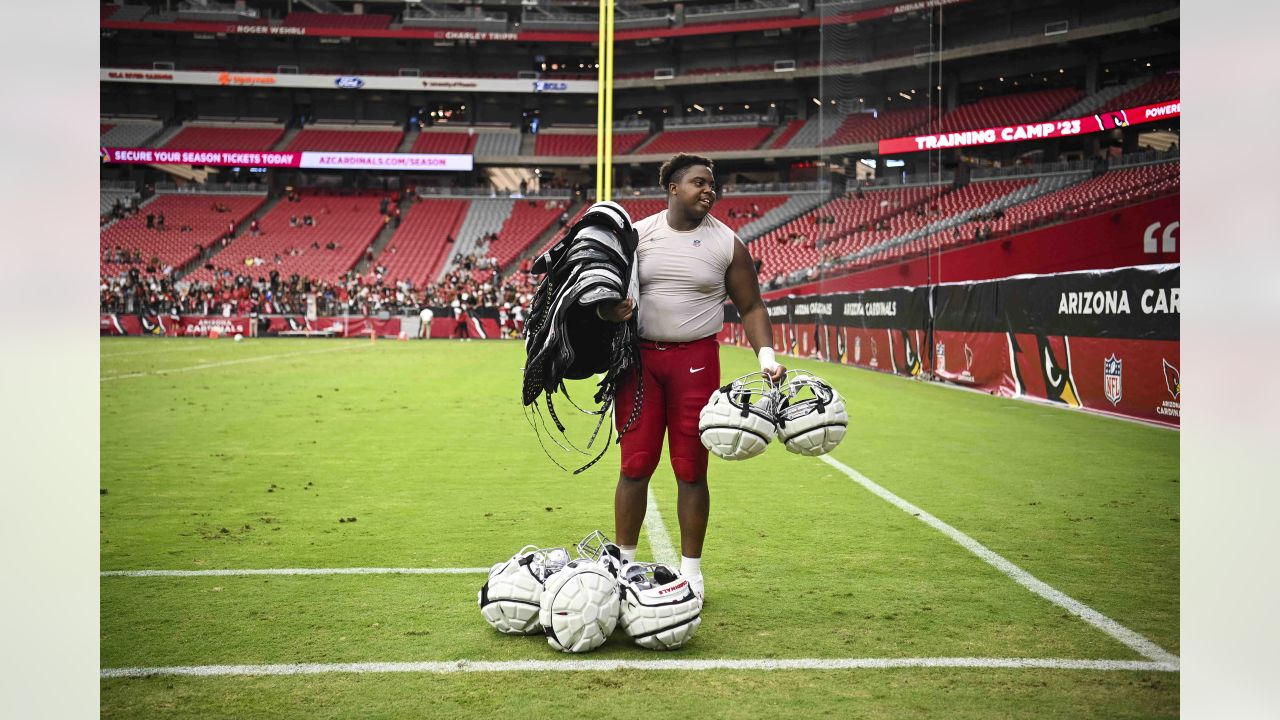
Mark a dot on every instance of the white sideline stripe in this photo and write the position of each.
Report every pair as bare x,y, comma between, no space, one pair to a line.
1131,639
659,540
113,356
294,571
499,666
231,362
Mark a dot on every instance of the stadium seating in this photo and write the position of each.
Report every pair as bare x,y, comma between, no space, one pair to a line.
860,128
336,20
420,246
710,139
350,223
130,132
581,144
502,143
223,137
525,224
174,245
1118,187
794,245
1007,109
793,127
370,141
445,143
1156,90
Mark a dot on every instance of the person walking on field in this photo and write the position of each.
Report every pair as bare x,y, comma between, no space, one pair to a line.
688,263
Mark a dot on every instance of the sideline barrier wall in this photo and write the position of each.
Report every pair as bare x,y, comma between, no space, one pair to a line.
481,325
1106,341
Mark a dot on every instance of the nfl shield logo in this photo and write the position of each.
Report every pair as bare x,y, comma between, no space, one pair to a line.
1111,386
941,353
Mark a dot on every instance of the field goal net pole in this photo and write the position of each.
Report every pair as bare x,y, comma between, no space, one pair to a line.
604,104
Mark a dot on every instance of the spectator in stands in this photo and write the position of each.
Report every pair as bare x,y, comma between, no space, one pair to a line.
254,228
160,221
151,221
308,221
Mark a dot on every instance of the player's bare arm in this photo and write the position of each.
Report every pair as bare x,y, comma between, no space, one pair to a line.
744,290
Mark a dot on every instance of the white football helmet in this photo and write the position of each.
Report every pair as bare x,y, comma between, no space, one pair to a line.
579,609
511,597
811,415
598,547
659,608
738,421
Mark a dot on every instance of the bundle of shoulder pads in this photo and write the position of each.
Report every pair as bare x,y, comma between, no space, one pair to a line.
565,338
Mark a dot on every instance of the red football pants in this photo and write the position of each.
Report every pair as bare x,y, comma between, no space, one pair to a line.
678,380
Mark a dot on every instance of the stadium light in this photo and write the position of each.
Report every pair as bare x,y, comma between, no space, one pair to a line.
699,108
817,102
904,95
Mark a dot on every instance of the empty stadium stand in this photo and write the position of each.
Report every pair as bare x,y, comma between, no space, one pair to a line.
419,247
1118,187
336,20
128,132
527,221
1008,109
346,140
709,139
793,127
350,223
206,136
175,245
498,143
552,144
1155,90
859,128
447,143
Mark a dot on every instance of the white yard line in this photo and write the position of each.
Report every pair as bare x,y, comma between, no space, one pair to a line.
205,366
182,348
1129,638
294,571
501,666
659,540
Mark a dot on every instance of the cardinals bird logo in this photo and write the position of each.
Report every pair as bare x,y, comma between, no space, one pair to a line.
1171,379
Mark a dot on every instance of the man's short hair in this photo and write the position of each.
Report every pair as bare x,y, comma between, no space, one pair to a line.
672,169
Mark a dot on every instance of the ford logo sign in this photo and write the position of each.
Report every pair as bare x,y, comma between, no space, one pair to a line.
349,83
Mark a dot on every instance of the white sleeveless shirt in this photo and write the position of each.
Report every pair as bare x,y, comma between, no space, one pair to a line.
682,288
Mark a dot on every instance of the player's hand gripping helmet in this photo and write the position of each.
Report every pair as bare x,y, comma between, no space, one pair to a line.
511,597
811,415
738,421
659,609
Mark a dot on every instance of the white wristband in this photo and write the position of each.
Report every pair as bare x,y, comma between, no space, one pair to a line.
765,356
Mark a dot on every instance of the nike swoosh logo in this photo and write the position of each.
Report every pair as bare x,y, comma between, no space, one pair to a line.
694,370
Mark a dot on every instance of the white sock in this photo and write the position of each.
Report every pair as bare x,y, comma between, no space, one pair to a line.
690,567
628,553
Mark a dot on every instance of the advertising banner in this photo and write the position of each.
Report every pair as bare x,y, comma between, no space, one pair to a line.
1033,131
237,78
308,159
1106,341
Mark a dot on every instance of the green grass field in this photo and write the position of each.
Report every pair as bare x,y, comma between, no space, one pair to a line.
221,455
